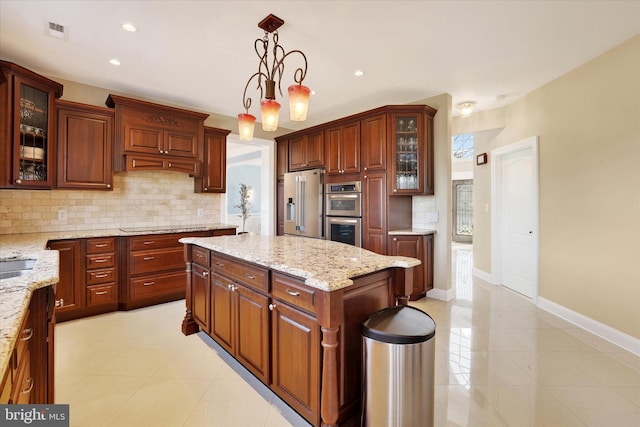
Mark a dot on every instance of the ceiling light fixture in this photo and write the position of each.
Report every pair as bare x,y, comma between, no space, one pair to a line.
358,73
268,75
114,61
127,26
466,108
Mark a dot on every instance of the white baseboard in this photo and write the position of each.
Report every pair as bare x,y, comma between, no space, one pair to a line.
442,294
627,342
487,277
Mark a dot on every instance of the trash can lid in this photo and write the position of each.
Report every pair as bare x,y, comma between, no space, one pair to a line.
401,324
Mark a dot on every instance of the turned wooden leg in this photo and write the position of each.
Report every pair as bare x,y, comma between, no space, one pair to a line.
329,404
189,325
404,285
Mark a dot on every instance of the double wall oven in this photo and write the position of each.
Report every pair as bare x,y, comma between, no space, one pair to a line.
343,212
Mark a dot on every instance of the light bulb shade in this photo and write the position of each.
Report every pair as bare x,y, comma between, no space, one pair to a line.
298,102
270,112
246,123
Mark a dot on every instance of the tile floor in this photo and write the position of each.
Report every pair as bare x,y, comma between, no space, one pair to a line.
500,361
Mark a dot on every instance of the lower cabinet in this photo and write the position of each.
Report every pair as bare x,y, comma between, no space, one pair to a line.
29,376
69,291
416,246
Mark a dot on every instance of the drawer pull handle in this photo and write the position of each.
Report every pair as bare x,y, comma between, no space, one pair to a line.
101,260
30,387
27,331
148,283
148,258
101,276
292,293
248,276
102,293
148,243
102,245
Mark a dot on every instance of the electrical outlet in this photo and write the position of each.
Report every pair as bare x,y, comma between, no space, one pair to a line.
62,215
200,212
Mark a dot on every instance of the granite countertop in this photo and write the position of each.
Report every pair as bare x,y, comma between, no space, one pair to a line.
324,264
412,231
15,292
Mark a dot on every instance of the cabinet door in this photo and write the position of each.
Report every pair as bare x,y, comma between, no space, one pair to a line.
143,139
315,150
297,154
428,262
374,210
70,288
296,360
201,296
253,331
282,163
411,246
343,149
215,164
223,313
332,144
374,143
85,141
181,144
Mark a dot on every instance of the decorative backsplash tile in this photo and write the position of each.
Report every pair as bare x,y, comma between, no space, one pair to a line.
139,199
424,211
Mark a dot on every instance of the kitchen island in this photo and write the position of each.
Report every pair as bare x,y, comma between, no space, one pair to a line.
290,309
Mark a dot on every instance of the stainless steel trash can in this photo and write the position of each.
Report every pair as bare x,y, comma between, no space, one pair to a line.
398,365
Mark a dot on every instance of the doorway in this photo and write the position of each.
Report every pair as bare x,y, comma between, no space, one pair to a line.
514,220
462,204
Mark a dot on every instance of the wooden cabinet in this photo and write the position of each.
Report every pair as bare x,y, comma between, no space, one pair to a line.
374,212
29,377
342,145
373,131
306,151
240,313
27,128
420,247
282,159
411,150
145,131
84,146
70,288
214,172
101,272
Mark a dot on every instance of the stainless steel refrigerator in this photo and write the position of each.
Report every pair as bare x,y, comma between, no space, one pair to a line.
304,203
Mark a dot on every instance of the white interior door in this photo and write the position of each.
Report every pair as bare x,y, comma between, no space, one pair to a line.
516,216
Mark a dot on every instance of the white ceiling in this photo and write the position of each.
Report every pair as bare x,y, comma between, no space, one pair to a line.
199,54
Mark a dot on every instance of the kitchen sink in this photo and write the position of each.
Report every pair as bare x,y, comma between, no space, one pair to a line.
15,267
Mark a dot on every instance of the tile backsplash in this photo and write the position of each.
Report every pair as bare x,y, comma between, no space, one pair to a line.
138,199
424,212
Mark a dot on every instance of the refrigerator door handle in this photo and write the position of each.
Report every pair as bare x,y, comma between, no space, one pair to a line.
303,193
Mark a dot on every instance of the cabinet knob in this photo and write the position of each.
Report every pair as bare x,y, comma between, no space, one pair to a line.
394,190
59,302
272,307
205,274
395,239
108,185
365,177
365,168
18,181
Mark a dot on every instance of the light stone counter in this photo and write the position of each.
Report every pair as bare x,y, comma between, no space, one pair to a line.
15,292
412,232
324,264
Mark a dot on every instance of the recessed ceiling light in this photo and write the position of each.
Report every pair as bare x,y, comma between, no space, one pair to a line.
114,61
129,27
358,73
313,92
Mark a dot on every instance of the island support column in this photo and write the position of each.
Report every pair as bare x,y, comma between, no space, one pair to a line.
330,317
189,325
403,279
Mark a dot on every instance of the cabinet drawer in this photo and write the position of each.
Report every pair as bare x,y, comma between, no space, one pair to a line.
154,241
158,284
24,381
96,246
25,335
142,262
101,294
241,272
200,256
101,261
291,290
101,276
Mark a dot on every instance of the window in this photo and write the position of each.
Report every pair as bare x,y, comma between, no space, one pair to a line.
463,146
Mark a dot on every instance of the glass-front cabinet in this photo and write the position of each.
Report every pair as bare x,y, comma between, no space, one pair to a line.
412,151
27,143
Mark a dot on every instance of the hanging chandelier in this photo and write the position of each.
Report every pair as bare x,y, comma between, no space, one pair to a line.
269,75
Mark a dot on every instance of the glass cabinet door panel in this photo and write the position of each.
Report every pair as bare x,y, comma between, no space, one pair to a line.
34,127
406,140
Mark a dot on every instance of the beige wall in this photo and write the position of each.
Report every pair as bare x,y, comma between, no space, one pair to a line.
588,123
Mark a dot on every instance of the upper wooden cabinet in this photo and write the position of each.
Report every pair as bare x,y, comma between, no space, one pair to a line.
214,171
306,151
282,158
157,131
84,146
373,131
411,149
27,128
342,144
